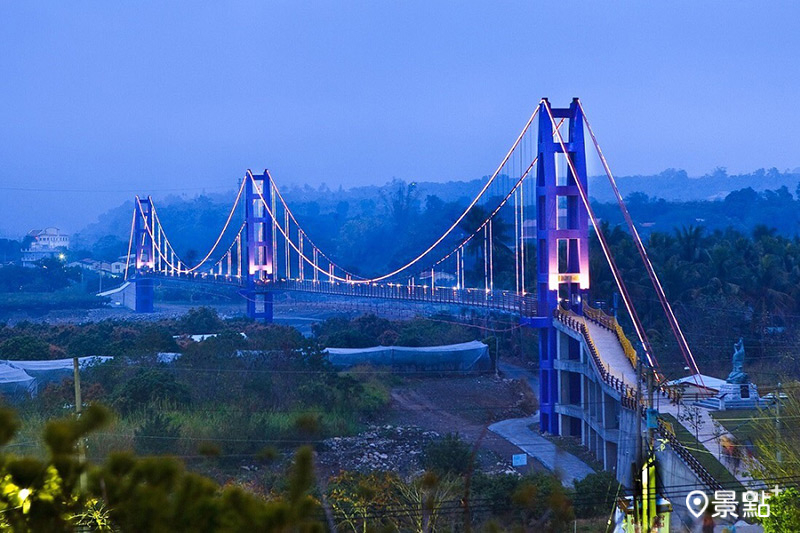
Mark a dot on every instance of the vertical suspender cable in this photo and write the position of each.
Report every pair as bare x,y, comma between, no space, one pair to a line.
160,245
458,268
516,241
156,241
239,260
463,272
286,237
152,258
491,256
522,236
485,258
274,231
300,269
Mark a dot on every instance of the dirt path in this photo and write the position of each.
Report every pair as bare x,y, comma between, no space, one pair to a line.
467,406
428,415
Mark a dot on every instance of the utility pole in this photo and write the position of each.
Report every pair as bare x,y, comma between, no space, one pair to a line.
778,451
78,409
639,411
651,414
637,467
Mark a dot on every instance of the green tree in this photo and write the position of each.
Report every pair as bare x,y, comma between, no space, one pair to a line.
449,455
25,347
359,499
595,494
201,320
784,512
148,387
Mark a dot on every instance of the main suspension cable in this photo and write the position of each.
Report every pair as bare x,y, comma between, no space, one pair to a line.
459,219
640,332
673,322
219,237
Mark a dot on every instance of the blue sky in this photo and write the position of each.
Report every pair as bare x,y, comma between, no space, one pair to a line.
100,99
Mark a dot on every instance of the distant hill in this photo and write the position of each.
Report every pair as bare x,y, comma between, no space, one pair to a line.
657,203
675,184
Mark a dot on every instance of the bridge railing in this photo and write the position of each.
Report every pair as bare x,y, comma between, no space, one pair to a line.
691,461
205,277
524,305
498,300
610,323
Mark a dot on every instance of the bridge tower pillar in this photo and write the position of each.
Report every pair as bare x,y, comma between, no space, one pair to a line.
562,239
258,246
145,254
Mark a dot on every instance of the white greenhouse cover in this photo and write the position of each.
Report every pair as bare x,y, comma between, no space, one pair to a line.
467,356
27,376
14,380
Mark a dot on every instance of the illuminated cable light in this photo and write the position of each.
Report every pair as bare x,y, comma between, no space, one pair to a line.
517,185
453,226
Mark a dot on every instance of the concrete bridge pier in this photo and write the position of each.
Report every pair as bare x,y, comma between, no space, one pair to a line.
260,306
145,295
590,409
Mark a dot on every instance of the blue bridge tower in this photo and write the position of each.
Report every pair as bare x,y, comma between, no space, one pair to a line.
145,257
259,224
562,240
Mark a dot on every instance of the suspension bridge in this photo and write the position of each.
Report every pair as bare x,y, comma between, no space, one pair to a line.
588,367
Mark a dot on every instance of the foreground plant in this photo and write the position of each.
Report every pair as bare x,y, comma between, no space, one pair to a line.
128,493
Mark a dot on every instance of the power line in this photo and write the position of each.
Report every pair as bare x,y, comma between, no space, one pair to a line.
76,190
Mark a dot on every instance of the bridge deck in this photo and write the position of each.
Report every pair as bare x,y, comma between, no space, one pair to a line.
511,302
611,353
524,305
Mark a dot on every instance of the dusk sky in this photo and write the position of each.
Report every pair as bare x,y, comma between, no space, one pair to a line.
101,100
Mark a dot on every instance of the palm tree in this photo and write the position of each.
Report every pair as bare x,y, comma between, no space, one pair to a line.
689,240
502,253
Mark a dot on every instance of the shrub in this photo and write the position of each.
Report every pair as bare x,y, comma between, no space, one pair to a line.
448,455
594,494
24,347
150,386
156,436
201,320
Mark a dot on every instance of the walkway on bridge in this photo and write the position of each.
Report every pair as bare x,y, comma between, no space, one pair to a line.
611,352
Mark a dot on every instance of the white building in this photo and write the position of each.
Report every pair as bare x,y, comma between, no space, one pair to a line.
115,268
44,243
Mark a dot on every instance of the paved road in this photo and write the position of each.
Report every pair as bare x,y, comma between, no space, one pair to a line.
517,431
568,467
